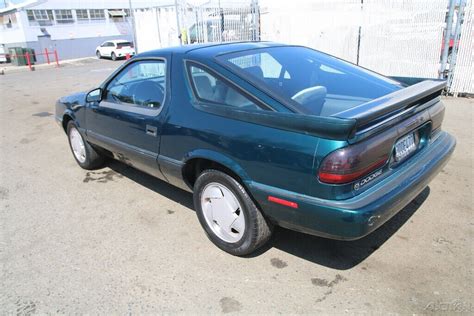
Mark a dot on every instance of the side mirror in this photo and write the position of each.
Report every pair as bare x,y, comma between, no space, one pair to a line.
94,95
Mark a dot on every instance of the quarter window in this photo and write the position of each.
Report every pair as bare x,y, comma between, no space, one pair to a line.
139,84
210,88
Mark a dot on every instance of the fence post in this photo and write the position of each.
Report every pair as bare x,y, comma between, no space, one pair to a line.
47,54
56,57
457,36
447,38
177,22
27,55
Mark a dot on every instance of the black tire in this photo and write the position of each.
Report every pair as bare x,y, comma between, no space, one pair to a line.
99,56
257,229
93,159
113,56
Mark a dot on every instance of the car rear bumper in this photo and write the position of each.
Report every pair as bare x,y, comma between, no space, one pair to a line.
124,53
358,216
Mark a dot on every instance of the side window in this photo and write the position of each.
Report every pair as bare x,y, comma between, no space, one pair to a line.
212,89
140,84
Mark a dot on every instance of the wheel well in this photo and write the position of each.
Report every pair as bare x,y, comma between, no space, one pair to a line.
66,119
194,167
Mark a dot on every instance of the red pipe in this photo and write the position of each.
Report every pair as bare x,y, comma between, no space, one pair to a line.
46,53
56,57
27,55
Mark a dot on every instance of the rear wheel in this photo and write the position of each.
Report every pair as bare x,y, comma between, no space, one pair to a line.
86,156
97,53
113,56
228,215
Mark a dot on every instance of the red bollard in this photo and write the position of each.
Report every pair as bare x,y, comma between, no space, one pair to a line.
56,58
27,55
47,54
127,56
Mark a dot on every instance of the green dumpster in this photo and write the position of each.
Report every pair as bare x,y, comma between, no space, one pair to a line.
30,51
18,57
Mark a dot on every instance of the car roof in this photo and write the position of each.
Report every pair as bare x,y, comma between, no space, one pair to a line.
208,49
118,41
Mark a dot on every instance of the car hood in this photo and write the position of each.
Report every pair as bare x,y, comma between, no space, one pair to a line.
78,98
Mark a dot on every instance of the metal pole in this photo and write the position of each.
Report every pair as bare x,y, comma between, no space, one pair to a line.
47,54
158,26
256,20
221,23
56,58
132,15
177,22
457,35
28,60
447,38
360,32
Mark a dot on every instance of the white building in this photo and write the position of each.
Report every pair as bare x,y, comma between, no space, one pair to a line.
74,27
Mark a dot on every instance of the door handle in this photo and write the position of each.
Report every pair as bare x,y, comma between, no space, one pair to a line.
151,130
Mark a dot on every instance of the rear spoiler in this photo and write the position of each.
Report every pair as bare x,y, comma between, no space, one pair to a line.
398,104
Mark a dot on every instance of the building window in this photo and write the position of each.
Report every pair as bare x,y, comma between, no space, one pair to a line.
64,16
97,14
40,17
82,15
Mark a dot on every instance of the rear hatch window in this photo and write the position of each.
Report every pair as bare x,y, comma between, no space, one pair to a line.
307,80
124,45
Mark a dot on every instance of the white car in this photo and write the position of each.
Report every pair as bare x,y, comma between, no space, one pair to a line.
115,49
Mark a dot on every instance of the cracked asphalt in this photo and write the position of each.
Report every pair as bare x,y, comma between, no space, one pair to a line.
118,241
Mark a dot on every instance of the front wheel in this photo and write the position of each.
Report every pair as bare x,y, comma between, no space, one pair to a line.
113,56
99,56
228,215
86,156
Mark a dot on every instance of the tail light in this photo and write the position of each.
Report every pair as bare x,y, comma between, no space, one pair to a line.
351,163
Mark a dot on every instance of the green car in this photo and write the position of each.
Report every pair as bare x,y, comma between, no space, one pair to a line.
266,134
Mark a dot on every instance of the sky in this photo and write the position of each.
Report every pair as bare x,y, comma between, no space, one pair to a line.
2,2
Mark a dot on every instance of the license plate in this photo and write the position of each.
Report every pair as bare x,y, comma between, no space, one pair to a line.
404,147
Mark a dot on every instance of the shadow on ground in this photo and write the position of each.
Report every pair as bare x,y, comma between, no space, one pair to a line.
340,255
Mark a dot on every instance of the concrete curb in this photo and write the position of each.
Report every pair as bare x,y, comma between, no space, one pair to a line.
9,68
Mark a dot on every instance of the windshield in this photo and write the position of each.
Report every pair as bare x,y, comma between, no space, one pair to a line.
311,81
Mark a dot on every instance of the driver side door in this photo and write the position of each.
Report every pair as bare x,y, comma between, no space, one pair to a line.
127,121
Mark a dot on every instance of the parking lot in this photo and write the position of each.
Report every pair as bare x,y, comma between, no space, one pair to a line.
116,240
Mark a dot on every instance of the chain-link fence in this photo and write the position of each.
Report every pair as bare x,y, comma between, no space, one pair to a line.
393,37
185,23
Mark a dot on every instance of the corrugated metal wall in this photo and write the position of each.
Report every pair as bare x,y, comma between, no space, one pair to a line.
463,75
